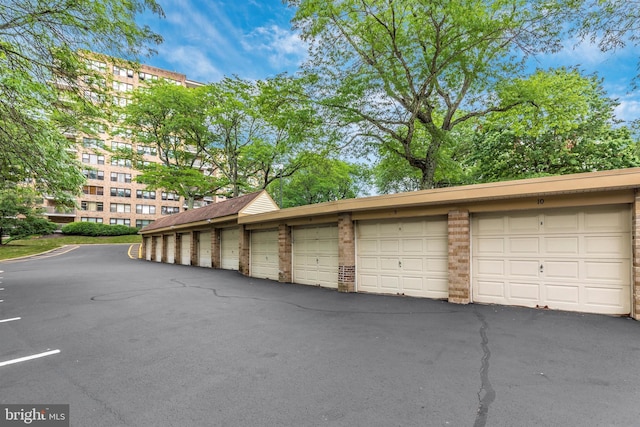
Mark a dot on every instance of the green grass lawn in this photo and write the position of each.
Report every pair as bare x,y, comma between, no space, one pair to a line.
36,245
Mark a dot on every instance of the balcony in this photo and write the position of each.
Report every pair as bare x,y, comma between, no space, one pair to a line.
52,211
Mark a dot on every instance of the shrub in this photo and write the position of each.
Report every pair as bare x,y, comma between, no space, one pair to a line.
29,226
95,229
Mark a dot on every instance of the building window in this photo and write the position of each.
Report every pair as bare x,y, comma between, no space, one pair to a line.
121,101
93,190
170,196
93,174
92,143
143,194
146,209
120,221
125,163
122,72
147,76
120,145
120,207
122,87
93,159
143,222
120,192
93,96
91,206
169,210
150,151
91,219
100,66
143,164
120,177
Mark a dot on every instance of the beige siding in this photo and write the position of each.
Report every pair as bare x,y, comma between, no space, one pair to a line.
261,204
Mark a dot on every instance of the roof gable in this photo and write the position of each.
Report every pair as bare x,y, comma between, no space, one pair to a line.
258,202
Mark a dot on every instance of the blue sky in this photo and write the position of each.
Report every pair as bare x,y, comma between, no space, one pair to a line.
209,39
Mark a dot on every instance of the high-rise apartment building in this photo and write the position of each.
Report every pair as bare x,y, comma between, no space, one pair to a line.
110,194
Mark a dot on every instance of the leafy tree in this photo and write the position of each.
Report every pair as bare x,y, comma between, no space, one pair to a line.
19,217
611,24
230,137
47,81
261,131
573,131
173,120
394,174
289,131
404,74
322,180
502,155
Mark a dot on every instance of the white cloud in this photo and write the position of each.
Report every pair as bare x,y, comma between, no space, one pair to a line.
586,55
282,48
629,108
583,52
210,28
193,62
227,37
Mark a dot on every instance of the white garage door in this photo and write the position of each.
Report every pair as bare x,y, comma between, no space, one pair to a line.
264,254
229,248
315,256
185,249
158,248
147,248
571,259
408,256
171,248
204,249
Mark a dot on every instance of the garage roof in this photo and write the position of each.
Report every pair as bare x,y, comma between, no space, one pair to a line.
228,209
619,179
256,208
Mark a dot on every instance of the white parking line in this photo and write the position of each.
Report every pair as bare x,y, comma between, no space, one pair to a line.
10,320
1,300
24,359
1,289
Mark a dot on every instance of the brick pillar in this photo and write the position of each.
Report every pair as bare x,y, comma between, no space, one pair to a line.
145,240
165,248
635,303
459,257
244,247
215,248
195,242
154,247
177,252
176,248
346,254
284,254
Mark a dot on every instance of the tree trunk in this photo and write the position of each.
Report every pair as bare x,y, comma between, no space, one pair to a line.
427,180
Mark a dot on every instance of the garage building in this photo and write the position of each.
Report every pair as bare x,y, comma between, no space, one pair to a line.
563,242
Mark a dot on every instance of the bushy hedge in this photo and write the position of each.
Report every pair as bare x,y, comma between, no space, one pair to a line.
95,229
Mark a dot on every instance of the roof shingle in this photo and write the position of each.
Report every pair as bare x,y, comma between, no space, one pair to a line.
214,210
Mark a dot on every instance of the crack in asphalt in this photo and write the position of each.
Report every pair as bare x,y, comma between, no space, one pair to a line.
486,394
322,310
123,295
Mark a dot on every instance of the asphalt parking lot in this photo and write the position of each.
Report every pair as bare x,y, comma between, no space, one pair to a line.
127,342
